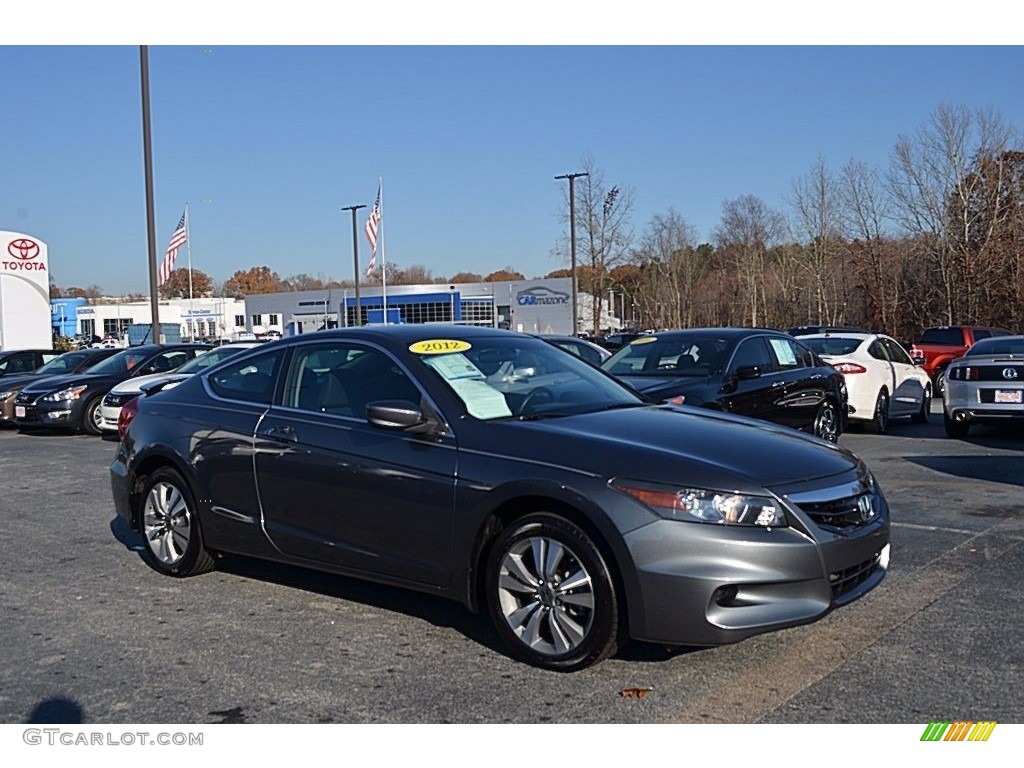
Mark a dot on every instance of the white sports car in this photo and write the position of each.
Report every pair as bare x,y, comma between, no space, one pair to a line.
881,379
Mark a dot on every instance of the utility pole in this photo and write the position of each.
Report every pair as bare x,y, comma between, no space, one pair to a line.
147,152
355,260
572,241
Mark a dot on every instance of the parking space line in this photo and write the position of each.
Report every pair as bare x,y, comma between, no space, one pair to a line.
942,529
848,632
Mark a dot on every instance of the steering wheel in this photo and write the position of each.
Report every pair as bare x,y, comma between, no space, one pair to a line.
536,397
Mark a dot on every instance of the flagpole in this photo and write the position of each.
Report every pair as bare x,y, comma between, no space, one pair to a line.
383,261
191,306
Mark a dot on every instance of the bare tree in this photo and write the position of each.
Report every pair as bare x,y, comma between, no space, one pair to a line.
604,232
673,267
932,183
747,230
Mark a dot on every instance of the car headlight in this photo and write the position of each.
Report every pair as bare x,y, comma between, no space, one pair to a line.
5,395
704,505
71,393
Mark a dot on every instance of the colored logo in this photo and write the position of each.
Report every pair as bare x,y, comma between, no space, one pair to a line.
438,346
23,249
540,295
960,730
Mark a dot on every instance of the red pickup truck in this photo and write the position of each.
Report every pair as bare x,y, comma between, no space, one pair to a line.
940,346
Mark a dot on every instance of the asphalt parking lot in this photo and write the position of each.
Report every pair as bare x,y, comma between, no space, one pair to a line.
93,635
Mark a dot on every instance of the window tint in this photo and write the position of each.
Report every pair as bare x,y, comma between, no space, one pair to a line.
251,380
952,337
340,378
896,353
832,345
753,352
982,333
877,351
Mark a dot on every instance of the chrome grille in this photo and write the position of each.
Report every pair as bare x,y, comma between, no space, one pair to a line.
845,514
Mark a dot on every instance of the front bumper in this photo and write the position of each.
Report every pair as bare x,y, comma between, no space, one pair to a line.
703,584
109,415
58,415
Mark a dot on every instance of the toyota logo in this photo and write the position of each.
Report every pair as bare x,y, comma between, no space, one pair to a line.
23,248
1009,373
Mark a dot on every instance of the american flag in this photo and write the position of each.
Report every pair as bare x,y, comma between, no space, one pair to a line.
371,232
178,239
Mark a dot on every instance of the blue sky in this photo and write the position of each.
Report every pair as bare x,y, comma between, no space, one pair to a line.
466,139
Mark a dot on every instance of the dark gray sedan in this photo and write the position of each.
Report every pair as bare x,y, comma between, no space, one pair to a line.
491,468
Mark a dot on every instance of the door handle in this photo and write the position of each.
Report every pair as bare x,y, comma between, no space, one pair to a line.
283,433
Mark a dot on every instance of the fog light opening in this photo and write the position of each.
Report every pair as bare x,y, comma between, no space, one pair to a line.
726,596
960,416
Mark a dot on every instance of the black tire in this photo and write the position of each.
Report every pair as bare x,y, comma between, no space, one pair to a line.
955,429
880,419
541,621
91,417
940,383
827,423
170,526
921,417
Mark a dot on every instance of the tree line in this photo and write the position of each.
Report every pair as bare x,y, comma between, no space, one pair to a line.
934,238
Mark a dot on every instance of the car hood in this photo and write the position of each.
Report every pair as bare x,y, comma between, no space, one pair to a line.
9,383
657,385
679,445
135,385
54,383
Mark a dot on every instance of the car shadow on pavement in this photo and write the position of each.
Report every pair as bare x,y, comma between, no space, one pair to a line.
1008,470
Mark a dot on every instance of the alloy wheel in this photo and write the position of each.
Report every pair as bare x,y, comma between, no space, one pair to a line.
167,523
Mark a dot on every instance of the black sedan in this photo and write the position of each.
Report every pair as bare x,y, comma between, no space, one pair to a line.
72,401
754,372
491,468
69,362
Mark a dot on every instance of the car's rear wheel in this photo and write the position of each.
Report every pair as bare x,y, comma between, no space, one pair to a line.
880,419
940,383
827,423
92,417
957,429
921,417
170,526
550,594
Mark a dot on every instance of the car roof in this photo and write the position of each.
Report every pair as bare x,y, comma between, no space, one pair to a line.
406,333
844,335
726,332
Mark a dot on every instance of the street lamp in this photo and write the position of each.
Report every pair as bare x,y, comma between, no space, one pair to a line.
355,260
572,241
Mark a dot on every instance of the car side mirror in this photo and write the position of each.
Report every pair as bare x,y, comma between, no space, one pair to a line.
401,415
748,372
918,360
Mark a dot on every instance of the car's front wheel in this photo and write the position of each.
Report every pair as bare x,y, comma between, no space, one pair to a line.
827,423
170,526
92,417
550,594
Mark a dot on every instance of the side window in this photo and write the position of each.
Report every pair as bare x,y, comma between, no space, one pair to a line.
166,361
982,333
877,351
896,353
340,378
251,380
753,352
788,353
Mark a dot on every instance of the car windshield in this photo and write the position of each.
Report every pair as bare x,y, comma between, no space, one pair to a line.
832,345
1000,345
677,355
120,364
524,377
63,364
208,359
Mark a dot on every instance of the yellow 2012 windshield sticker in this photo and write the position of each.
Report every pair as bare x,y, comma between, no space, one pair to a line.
439,346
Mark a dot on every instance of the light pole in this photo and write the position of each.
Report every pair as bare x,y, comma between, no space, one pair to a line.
572,241
355,261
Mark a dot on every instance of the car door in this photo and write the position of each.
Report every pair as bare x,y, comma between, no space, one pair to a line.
336,489
750,386
799,384
907,383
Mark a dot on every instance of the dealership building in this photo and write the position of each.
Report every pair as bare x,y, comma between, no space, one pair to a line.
207,318
530,306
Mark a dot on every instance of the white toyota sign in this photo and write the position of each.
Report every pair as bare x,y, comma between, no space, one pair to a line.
24,292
